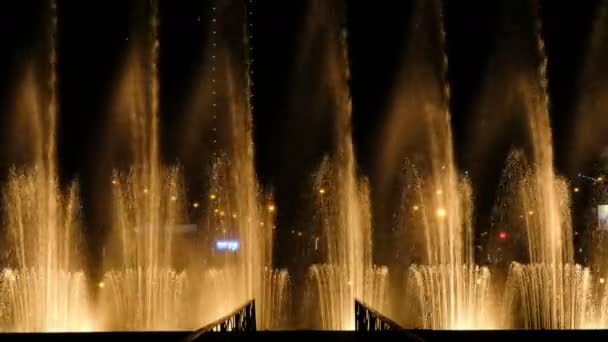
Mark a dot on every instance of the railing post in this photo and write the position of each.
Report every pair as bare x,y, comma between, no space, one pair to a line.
242,320
367,319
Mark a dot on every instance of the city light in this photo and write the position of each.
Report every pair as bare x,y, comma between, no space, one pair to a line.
503,235
195,205
531,212
212,196
441,213
577,189
174,198
101,285
321,191
271,208
145,190
227,245
439,191
114,182
602,280
415,208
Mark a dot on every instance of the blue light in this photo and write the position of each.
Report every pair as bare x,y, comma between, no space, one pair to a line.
230,245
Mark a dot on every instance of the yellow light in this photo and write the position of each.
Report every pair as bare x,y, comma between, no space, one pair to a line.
321,191
101,285
531,212
478,281
195,204
577,189
233,216
262,224
439,192
349,283
299,233
145,190
216,210
271,207
441,213
174,198
602,280
415,208
114,182
222,213
212,196
599,179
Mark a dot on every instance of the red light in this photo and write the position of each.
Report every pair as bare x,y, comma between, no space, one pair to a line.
503,235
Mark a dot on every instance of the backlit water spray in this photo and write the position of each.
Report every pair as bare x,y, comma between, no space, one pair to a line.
46,289
342,197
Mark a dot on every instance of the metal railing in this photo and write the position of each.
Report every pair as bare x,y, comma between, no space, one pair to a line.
368,319
239,320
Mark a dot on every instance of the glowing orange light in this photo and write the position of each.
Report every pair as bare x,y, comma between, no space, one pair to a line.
271,207
321,191
577,189
114,182
441,213
503,235
212,196
101,285
415,208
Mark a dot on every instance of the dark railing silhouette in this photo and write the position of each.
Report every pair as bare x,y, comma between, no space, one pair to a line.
239,320
368,319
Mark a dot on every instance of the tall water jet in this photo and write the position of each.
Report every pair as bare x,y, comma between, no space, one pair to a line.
141,289
46,288
434,215
342,197
550,292
235,208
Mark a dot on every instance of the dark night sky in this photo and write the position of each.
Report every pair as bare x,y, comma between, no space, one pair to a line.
92,46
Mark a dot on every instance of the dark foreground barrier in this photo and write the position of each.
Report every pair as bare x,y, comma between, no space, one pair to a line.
367,319
323,336
240,320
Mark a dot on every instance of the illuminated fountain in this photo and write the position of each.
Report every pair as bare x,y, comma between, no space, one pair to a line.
236,208
342,198
154,293
141,289
448,289
46,289
549,291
